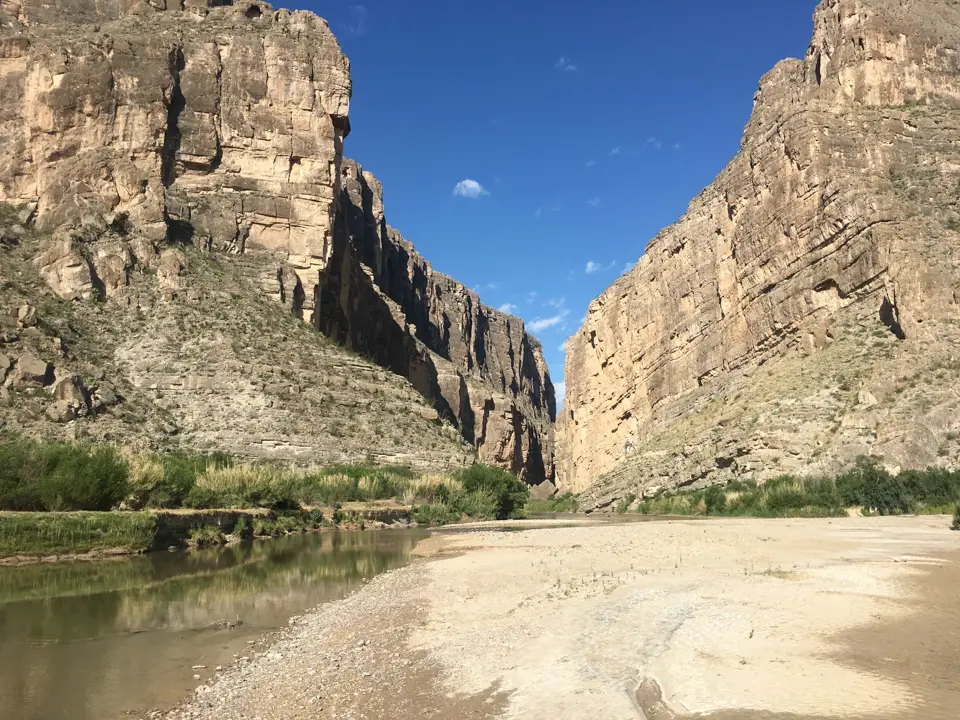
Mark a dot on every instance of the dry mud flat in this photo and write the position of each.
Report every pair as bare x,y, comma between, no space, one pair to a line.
735,619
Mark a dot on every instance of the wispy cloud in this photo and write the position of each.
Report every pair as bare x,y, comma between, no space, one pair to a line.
469,189
593,267
548,322
508,308
590,163
544,209
676,146
565,64
655,142
560,390
531,296
615,151
492,286
563,345
593,202
628,267
358,20
556,302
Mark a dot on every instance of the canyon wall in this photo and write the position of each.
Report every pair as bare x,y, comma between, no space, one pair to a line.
804,310
182,162
479,366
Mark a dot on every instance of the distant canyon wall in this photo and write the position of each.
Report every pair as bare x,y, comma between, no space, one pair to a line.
805,309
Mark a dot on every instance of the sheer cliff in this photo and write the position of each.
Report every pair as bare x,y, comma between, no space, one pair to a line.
477,365
168,169
805,309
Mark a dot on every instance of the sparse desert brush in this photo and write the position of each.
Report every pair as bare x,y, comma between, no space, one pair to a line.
956,518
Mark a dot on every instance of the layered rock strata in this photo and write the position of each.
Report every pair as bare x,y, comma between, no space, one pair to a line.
477,365
805,309
140,131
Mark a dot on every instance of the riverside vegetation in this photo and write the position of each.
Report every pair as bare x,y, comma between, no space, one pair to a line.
867,485
55,497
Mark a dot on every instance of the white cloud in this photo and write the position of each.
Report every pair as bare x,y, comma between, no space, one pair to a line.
627,268
593,202
615,151
531,296
469,189
564,64
560,390
556,302
676,146
549,322
508,308
590,163
546,209
493,286
593,267
358,20
655,142
563,345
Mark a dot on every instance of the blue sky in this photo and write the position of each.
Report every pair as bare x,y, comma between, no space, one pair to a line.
531,148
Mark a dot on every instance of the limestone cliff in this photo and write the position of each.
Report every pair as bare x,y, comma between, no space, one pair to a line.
805,308
477,365
166,161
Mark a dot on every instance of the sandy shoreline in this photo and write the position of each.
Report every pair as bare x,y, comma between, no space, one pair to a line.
853,617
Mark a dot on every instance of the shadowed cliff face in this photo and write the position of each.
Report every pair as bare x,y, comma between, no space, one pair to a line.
477,365
804,310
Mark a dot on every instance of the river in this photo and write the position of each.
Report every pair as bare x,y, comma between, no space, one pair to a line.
111,639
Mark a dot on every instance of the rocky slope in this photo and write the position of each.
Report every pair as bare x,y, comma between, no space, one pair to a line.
167,169
805,309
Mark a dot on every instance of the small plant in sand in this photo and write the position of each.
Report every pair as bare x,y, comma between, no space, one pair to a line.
956,518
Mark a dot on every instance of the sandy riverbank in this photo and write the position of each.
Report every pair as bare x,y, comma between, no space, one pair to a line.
854,617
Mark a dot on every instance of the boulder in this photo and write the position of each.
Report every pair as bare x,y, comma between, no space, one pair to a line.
27,316
73,392
61,411
30,372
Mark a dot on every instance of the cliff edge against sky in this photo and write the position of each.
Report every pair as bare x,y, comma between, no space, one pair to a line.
804,310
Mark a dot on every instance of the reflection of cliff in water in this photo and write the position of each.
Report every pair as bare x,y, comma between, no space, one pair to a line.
123,635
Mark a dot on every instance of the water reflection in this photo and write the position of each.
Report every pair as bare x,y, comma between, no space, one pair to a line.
96,640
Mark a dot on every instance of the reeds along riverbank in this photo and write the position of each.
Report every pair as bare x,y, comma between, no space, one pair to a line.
199,499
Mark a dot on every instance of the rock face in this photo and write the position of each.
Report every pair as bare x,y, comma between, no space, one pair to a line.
222,126
167,158
477,365
805,309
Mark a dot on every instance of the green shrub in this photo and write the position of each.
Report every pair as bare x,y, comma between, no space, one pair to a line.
956,518
60,476
242,528
624,505
206,536
179,478
432,515
481,504
565,503
716,500
203,499
510,493
264,527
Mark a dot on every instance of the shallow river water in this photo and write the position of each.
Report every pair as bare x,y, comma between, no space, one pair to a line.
111,639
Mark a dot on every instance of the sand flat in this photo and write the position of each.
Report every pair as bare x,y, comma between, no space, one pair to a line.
841,618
